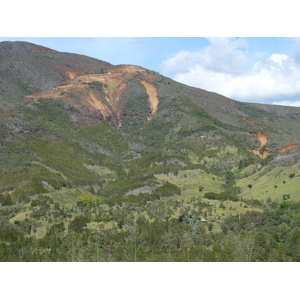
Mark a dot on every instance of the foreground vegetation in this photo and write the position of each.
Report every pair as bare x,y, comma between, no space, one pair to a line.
161,230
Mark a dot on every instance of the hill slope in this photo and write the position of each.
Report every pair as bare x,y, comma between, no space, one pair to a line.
76,130
122,113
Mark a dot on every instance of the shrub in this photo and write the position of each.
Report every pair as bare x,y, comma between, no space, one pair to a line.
89,201
56,228
168,189
78,223
6,200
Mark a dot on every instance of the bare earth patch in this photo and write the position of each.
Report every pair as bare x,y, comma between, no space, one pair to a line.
153,97
263,139
80,92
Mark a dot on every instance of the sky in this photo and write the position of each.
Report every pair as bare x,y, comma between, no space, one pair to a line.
262,70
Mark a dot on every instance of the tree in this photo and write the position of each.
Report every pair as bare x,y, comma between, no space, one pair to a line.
92,190
222,206
55,229
201,188
6,200
78,223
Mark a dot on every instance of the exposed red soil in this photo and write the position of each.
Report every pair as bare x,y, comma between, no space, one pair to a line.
67,73
252,122
71,73
263,139
3,112
113,82
287,148
263,155
153,97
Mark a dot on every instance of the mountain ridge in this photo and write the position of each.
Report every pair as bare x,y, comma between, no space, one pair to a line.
144,109
119,163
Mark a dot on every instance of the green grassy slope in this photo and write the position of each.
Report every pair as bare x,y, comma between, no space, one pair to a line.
275,182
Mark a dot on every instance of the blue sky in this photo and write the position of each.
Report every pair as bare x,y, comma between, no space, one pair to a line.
264,70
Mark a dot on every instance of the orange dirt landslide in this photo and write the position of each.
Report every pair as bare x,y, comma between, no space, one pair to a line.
113,82
287,148
253,123
153,97
263,139
67,73
71,73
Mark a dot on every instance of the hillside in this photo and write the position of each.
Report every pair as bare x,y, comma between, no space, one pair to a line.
27,68
98,148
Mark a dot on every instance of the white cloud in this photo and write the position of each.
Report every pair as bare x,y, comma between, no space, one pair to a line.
223,67
222,55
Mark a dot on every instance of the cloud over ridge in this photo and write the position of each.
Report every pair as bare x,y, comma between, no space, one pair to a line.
225,66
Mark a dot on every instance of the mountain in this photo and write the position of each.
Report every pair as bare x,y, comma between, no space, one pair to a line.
78,131
27,68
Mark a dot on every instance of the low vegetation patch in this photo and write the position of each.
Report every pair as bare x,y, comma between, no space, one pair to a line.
215,196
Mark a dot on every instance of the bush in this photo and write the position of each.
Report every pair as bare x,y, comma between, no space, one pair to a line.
89,201
20,196
41,201
56,228
78,223
6,200
168,189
